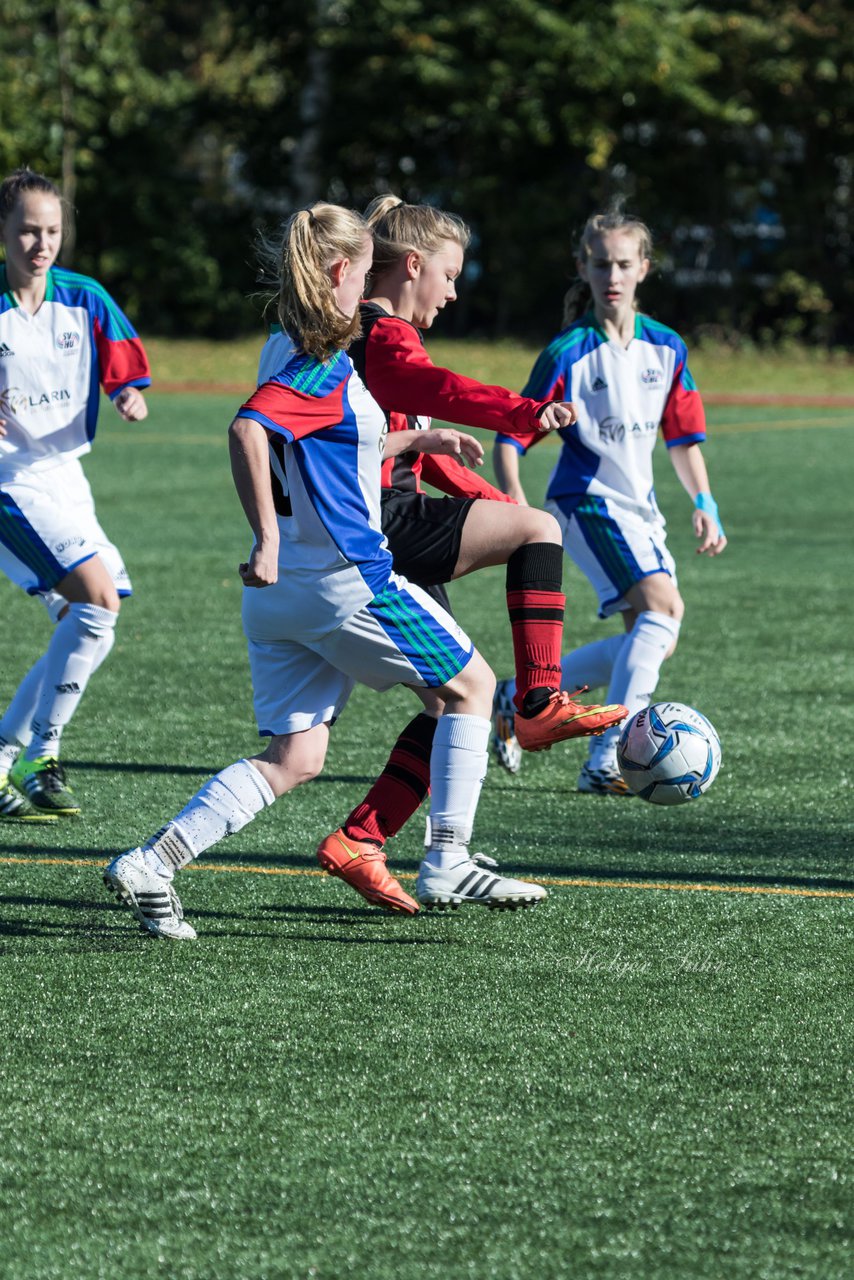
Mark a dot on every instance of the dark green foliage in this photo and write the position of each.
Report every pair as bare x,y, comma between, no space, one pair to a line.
178,128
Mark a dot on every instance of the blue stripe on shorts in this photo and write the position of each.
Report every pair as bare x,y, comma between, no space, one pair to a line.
19,536
605,539
434,652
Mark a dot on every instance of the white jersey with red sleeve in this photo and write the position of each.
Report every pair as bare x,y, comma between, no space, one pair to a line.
52,366
404,470
325,434
624,396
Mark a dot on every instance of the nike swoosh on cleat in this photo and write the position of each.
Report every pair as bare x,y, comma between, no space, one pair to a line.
349,852
582,715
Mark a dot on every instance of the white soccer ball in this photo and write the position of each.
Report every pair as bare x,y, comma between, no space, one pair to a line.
669,753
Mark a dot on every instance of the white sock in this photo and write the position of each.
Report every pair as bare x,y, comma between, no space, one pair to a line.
226,802
81,641
592,664
457,769
15,726
635,676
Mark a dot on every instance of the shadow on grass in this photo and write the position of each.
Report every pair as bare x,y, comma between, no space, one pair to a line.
121,927
197,770
756,845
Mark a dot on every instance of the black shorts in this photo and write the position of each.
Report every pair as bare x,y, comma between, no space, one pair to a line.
424,537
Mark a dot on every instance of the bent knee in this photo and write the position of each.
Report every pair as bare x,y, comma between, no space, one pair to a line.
472,690
656,594
541,526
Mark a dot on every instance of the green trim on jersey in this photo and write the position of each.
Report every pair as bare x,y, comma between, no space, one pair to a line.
657,326
4,287
71,280
311,376
5,291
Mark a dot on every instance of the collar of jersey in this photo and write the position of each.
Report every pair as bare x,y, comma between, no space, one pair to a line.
590,320
314,377
7,292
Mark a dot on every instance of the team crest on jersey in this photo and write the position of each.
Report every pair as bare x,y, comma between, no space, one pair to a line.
68,341
652,377
598,384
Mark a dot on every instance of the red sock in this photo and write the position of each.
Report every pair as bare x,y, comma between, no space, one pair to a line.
535,603
401,787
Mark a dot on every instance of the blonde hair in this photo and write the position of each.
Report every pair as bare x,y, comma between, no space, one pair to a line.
578,298
399,228
311,240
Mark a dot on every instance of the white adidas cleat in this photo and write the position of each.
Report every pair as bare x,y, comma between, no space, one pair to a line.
505,744
150,896
472,880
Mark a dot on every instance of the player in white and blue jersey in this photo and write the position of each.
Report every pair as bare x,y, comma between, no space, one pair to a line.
629,379
323,608
62,338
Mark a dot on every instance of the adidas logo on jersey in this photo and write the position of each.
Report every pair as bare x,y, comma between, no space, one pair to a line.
599,384
5,350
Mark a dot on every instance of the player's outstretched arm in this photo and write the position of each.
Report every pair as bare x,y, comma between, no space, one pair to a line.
438,440
690,467
250,468
402,377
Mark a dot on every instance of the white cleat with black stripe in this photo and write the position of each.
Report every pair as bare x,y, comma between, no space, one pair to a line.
150,896
474,880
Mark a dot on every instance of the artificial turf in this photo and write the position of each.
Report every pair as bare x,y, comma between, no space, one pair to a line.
648,1076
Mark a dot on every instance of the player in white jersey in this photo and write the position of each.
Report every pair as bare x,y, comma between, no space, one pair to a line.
62,338
322,606
629,379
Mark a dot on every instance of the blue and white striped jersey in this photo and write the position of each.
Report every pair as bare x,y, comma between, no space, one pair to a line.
624,397
52,366
325,436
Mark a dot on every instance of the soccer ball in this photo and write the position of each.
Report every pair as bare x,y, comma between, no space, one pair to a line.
668,753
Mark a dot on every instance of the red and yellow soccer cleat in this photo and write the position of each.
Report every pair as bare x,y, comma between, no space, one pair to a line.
562,718
363,866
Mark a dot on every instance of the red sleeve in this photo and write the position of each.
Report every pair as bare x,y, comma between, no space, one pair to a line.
293,414
453,477
400,375
683,420
121,362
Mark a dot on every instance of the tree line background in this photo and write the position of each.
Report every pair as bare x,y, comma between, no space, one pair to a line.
178,128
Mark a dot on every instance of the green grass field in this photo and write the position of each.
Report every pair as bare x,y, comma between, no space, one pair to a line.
650,1076
796,369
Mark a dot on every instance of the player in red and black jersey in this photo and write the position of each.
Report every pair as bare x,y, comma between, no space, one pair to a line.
418,255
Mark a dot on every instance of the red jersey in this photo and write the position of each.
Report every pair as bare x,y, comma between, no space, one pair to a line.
391,360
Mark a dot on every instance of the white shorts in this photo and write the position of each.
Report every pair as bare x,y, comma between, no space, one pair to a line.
402,636
613,548
48,526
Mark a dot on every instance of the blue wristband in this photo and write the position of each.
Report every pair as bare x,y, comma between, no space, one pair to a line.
705,502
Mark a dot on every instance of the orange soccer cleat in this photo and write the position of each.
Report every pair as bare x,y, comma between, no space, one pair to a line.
363,866
562,718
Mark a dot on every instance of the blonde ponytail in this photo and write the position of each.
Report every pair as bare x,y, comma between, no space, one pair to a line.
311,240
